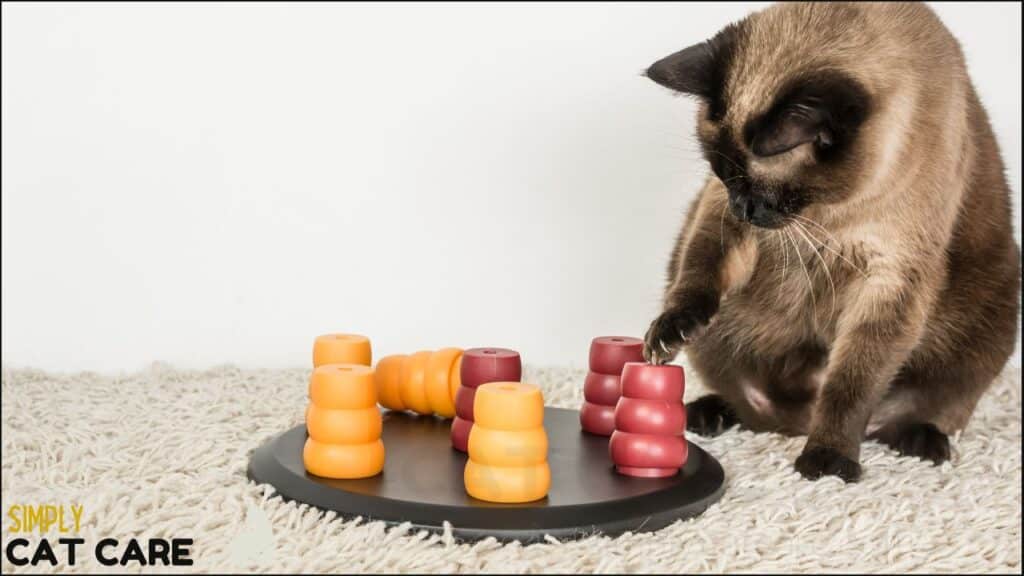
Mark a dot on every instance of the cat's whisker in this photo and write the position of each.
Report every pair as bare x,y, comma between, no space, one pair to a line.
828,274
785,267
818,226
807,274
782,280
811,221
827,247
721,227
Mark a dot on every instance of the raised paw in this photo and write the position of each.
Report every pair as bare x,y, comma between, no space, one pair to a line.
709,416
919,439
819,461
677,325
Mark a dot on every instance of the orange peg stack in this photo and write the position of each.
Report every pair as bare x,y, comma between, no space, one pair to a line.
343,423
508,446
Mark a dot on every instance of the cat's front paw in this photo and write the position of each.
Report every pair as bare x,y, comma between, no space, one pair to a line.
709,416
819,461
677,325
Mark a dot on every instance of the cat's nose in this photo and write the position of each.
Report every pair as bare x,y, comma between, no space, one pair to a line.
761,211
755,209
742,207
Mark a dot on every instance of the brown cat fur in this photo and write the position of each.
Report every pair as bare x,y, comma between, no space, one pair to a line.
850,267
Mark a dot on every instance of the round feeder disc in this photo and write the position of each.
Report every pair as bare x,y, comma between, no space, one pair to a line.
422,483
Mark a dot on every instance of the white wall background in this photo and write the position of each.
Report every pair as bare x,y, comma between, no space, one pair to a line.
218,183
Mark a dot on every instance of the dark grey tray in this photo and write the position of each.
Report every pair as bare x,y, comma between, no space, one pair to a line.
422,484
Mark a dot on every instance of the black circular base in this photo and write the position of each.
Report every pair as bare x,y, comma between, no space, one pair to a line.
422,484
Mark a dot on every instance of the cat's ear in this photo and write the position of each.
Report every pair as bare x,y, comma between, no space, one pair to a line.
699,70
791,127
690,71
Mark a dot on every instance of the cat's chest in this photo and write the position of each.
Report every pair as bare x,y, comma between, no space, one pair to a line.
770,322
808,276
794,294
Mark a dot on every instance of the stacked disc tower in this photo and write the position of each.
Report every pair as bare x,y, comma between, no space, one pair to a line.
602,387
342,419
650,422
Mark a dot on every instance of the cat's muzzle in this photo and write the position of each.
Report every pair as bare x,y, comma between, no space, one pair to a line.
756,209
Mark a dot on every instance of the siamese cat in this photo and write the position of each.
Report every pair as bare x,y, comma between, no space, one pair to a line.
849,270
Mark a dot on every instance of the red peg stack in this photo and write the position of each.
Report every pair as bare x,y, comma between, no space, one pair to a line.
608,355
650,421
480,366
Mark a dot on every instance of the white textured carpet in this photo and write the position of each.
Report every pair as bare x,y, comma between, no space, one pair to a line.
163,453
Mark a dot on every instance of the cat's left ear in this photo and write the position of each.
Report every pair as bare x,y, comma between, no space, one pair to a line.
688,71
697,70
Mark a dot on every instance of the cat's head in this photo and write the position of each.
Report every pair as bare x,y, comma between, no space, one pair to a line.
780,119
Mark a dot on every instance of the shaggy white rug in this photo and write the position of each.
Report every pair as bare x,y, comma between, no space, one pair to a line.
162,453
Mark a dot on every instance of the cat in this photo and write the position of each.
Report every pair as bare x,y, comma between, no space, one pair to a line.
849,269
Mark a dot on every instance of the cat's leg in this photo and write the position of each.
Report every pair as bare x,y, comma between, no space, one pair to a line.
927,403
714,413
716,254
876,335
935,392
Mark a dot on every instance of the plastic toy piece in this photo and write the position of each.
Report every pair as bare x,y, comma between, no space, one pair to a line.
482,365
464,399
520,447
463,422
650,422
650,382
597,419
609,354
601,390
343,426
508,445
412,383
343,423
455,378
341,349
342,387
509,406
424,382
343,461
460,433
647,456
388,378
478,366
507,485
440,367
649,416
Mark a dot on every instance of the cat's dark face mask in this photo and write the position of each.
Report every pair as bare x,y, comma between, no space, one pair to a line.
815,117
761,202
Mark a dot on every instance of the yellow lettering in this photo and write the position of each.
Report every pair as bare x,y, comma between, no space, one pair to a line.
50,517
60,526
76,512
12,512
35,517
44,518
